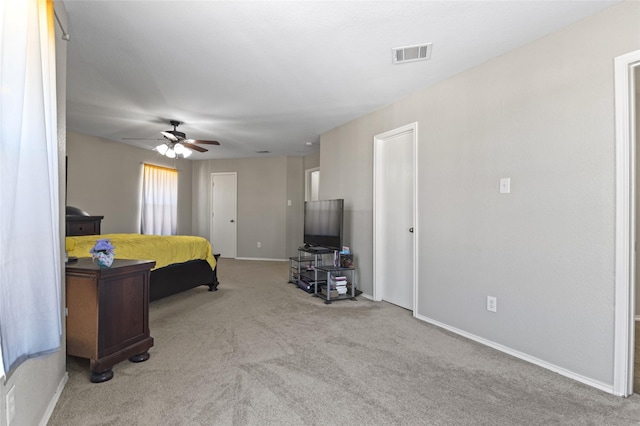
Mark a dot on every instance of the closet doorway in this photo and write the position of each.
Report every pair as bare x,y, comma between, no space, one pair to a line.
311,184
224,196
394,217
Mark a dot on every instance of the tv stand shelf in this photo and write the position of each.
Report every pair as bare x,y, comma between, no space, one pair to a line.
335,271
315,250
303,269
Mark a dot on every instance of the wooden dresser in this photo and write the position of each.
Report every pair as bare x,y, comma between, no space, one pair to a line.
83,225
108,313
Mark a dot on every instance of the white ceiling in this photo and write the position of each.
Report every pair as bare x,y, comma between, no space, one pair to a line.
274,75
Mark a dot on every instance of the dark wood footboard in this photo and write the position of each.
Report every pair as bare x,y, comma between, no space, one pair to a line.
179,277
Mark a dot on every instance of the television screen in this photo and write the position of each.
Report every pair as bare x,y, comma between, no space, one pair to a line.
323,223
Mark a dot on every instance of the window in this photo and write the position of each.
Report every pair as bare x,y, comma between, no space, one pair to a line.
159,200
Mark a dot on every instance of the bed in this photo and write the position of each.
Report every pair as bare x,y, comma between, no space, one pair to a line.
182,262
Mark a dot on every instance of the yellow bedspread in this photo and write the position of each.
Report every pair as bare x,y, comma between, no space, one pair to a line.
165,250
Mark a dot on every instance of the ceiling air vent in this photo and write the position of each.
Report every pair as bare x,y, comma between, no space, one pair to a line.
419,52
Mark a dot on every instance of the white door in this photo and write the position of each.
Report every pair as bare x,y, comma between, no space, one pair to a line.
394,210
223,213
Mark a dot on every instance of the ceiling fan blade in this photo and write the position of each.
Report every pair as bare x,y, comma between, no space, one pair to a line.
170,136
202,142
196,148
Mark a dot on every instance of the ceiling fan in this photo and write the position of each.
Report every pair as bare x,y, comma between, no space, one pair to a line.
177,142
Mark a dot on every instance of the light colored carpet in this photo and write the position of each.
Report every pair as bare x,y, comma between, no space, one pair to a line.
260,351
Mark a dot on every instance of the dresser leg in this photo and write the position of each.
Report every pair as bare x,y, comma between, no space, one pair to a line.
140,357
100,377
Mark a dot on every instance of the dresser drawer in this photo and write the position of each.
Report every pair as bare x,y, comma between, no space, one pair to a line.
83,225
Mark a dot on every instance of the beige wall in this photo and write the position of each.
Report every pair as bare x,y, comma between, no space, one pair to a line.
542,115
105,179
265,185
311,161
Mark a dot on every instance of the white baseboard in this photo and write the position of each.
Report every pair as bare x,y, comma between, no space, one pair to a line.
366,296
261,258
523,356
54,400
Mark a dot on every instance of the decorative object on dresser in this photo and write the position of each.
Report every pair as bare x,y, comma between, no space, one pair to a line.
108,314
103,252
79,222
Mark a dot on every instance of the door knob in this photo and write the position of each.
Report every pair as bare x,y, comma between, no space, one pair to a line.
232,221
411,230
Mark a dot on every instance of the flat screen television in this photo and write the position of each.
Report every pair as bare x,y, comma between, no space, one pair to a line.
323,223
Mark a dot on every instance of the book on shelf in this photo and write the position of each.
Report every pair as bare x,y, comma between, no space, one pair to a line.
333,286
339,279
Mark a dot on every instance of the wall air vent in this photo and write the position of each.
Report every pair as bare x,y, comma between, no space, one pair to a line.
418,52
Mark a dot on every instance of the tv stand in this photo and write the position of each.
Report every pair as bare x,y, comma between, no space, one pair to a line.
308,271
303,268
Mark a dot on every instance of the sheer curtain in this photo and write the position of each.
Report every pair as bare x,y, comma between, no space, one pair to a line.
30,262
159,200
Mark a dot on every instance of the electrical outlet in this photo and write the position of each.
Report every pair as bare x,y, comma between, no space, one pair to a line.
492,304
259,244
11,405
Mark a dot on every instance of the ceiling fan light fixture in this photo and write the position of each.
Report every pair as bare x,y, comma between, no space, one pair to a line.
179,148
175,144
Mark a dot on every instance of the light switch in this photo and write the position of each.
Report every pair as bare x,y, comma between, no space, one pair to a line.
505,185
289,203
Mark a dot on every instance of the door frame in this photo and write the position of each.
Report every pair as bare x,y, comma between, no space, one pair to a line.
625,220
307,182
378,250
235,219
